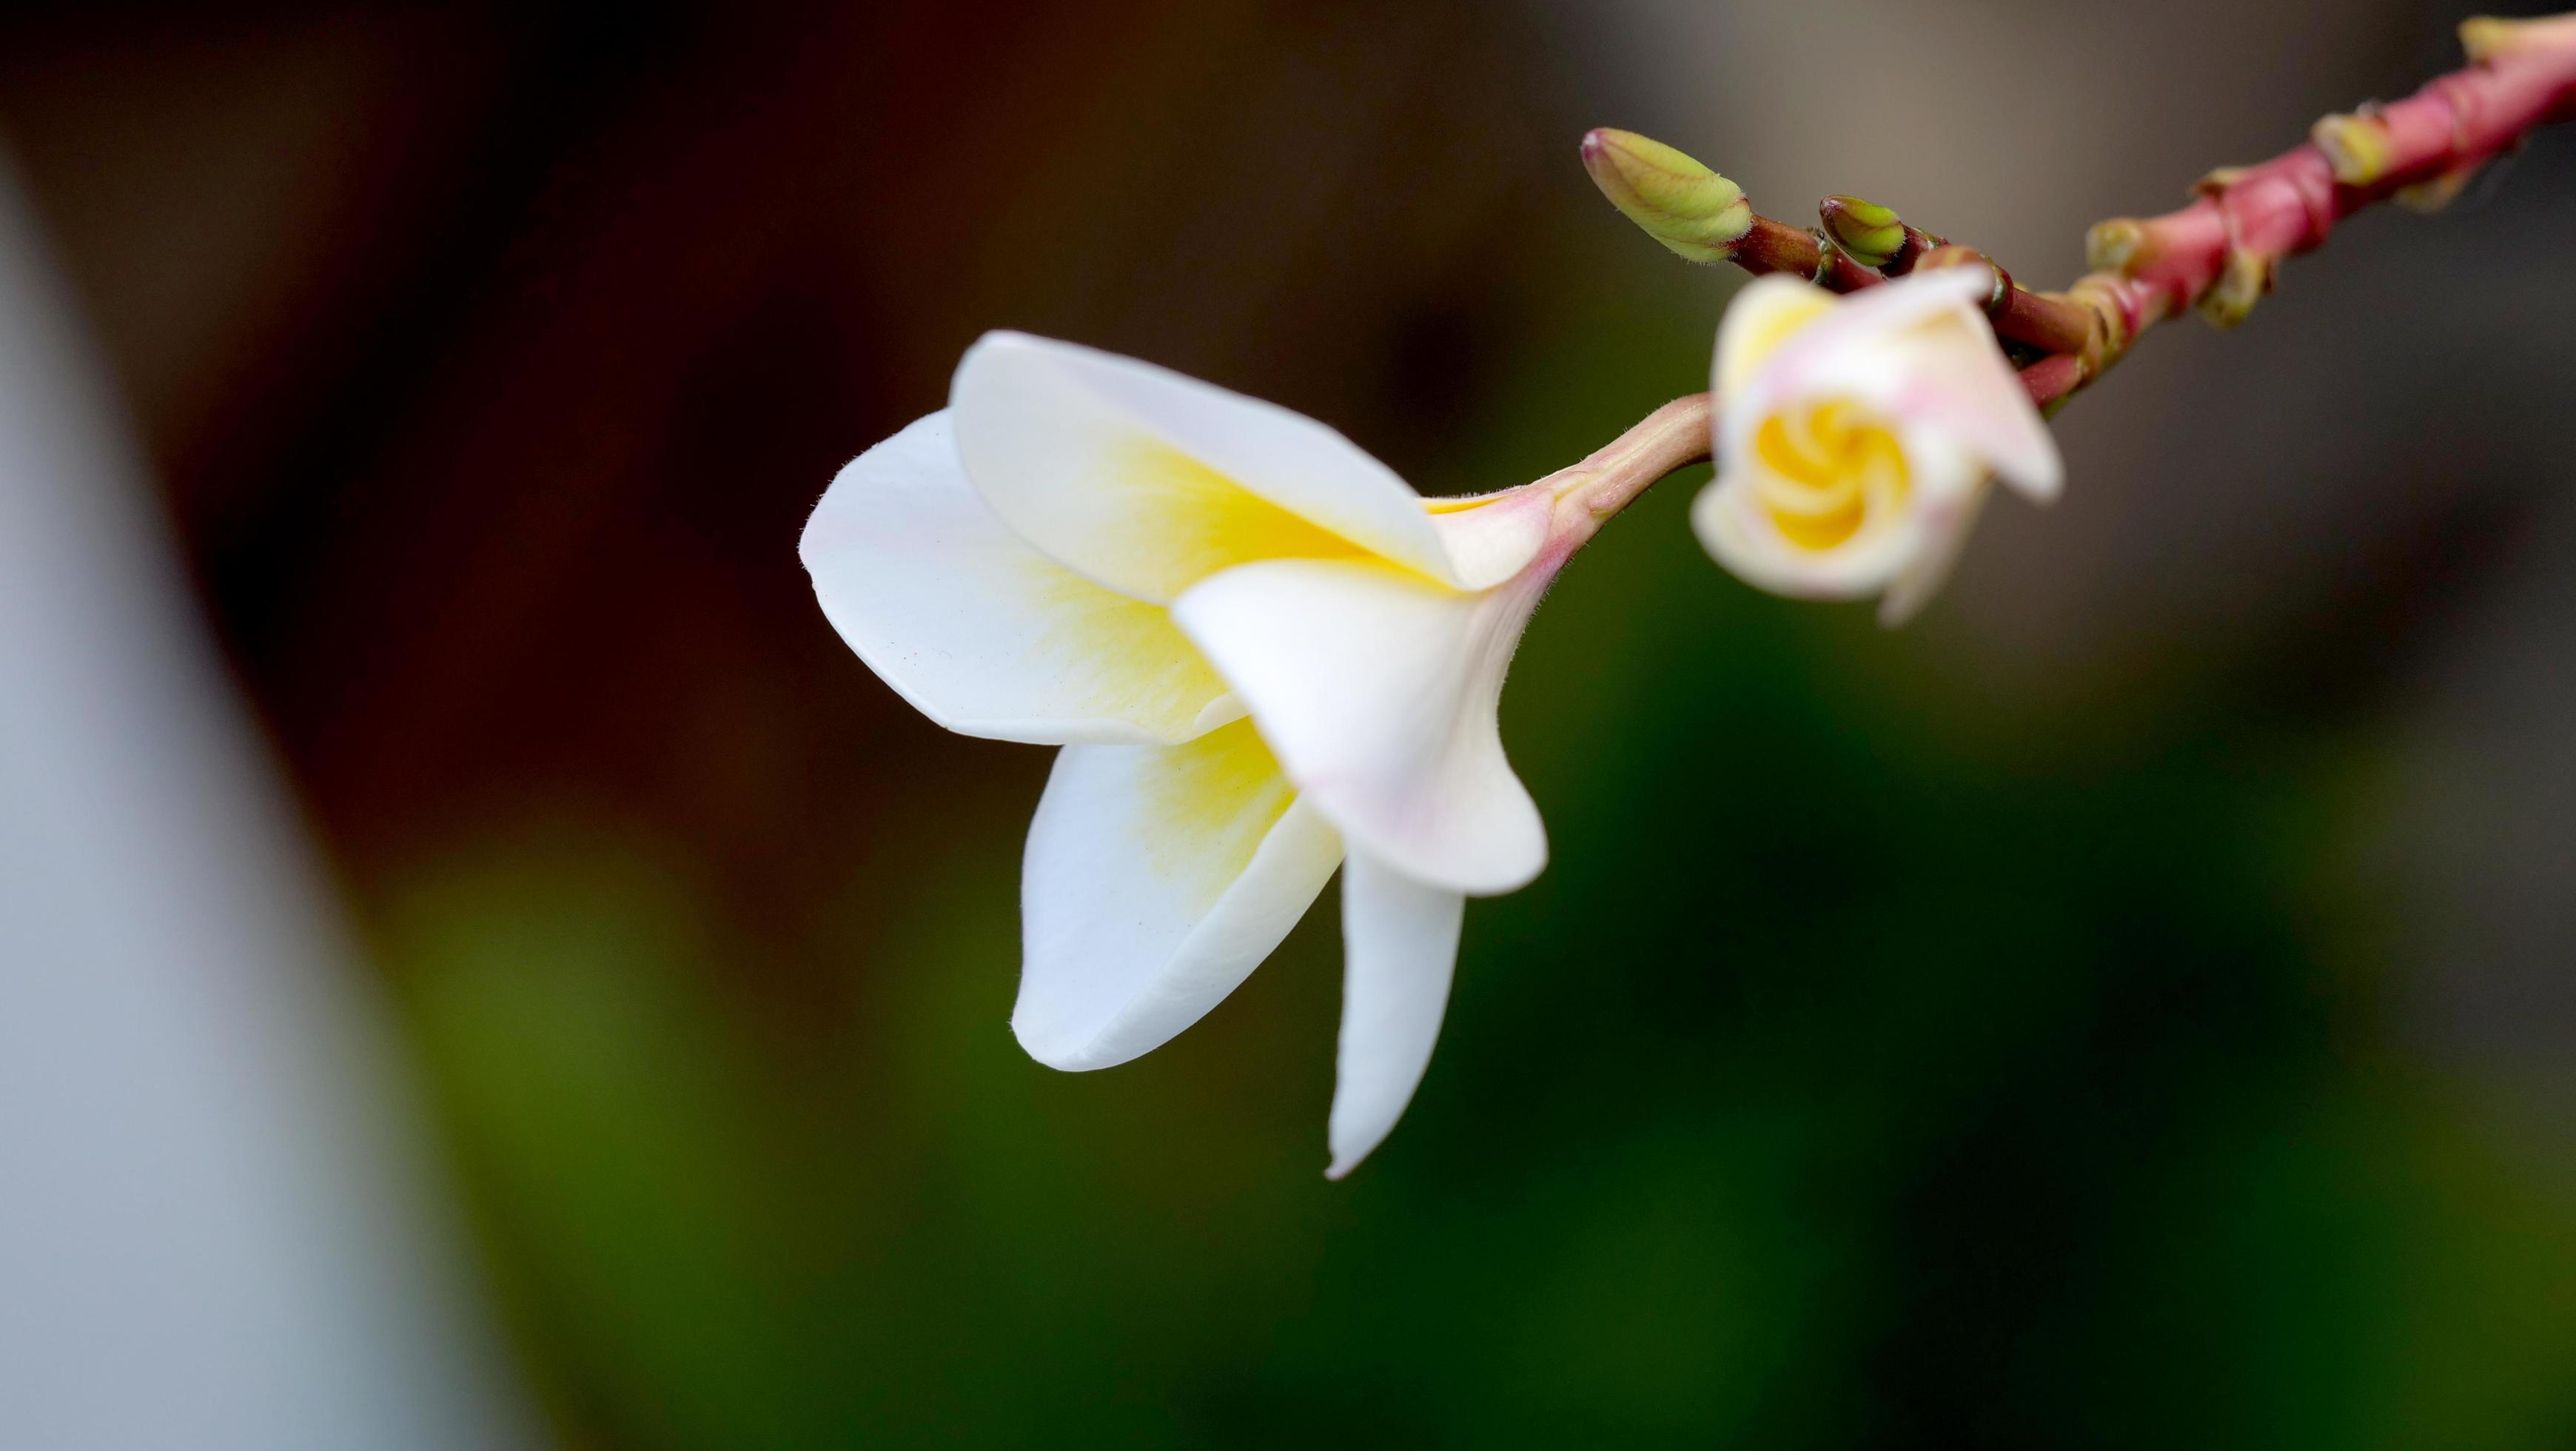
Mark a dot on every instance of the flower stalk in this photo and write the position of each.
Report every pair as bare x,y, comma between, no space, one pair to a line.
2221,253
1674,436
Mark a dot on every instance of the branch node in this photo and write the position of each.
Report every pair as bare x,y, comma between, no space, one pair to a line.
2248,276
2427,197
1954,255
2117,245
2356,145
2490,38
2219,179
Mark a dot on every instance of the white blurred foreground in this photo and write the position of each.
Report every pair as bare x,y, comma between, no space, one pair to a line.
213,1227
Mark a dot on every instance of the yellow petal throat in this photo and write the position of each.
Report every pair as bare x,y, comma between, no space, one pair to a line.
1211,803
1183,521
1827,469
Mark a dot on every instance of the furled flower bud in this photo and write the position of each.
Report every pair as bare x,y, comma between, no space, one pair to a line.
1871,234
1680,203
2490,38
1856,436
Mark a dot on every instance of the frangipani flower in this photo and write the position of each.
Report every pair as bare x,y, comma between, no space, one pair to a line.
1265,657
1857,436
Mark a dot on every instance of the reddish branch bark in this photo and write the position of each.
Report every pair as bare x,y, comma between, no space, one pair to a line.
2223,251
2035,320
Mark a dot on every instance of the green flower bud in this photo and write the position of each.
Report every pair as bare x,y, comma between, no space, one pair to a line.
2356,146
2248,276
1682,204
2118,245
1870,234
2489,38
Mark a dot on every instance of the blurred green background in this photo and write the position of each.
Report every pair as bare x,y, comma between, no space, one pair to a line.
2123,1010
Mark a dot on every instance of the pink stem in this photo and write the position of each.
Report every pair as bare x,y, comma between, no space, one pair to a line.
2220,252
2290,204
1676,435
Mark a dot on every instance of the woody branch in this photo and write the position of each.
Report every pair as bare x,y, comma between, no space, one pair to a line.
2220,254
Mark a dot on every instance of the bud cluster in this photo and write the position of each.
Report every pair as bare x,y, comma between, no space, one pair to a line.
1859,244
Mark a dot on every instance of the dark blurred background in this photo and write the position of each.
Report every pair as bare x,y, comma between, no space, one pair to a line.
2129,1008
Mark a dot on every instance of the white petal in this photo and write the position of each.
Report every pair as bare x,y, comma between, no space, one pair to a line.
1917,348
980,632
1846,349
1378,689
1157,878
1956,379
1148,481
1945,534
1732,525
1899,305
1764,314
1860,318
1493,537
1400,947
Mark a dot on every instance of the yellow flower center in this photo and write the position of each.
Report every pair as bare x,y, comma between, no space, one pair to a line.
1826,470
